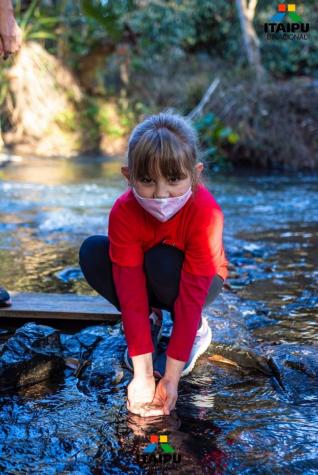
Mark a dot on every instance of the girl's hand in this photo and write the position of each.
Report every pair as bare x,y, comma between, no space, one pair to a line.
164,400
140,391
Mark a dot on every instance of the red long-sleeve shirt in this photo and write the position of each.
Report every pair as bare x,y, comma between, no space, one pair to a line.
197,230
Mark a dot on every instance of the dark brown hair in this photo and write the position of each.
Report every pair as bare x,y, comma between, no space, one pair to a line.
166,144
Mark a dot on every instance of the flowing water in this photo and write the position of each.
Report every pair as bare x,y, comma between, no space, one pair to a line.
253,412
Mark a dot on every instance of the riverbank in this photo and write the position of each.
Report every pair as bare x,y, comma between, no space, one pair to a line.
271,124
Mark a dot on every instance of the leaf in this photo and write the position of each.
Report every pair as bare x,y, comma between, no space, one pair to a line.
221,359
28,14
72,363
43,35
49,20
233,138
104,15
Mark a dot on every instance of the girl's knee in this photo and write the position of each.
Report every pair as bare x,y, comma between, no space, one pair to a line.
92,246
163,258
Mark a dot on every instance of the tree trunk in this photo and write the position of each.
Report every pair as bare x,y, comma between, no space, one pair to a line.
246,12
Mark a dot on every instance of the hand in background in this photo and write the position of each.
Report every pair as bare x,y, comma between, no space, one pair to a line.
10,32
140,392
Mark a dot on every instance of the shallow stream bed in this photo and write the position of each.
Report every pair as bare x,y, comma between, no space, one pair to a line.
257,415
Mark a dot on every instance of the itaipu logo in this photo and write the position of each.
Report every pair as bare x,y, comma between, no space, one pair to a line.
159,451
286,24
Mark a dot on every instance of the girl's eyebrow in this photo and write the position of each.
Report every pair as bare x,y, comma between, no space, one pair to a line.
179,176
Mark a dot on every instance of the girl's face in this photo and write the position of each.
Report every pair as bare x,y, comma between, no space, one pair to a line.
162,187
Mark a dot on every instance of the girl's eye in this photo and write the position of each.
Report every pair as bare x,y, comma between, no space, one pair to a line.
145,180
174,179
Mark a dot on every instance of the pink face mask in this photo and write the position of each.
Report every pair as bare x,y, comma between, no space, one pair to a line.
163,208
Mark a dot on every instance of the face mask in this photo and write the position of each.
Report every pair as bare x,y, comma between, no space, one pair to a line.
163,208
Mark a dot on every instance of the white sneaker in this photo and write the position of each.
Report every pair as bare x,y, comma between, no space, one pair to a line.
201,343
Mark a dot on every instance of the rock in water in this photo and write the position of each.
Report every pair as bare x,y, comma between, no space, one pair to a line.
240,357
296,371
101,361
31,355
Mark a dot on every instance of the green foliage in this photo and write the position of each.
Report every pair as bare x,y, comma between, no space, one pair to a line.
108,16
289,57
4,86
216,139
67,120
169,26
159,36
35,24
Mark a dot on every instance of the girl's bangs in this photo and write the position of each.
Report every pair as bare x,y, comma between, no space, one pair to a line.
161,154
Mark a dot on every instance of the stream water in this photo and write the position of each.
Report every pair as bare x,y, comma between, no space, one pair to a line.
232,417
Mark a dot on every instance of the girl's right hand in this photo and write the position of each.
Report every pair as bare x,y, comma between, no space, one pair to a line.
140,391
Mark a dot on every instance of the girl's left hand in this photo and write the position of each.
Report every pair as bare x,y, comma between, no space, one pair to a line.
164,400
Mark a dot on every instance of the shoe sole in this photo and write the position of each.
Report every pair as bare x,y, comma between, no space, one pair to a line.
126,356
199,353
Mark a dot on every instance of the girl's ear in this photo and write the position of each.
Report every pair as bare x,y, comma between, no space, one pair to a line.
199,167
125,172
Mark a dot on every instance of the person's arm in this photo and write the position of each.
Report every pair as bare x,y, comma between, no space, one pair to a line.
10,33
126,254
130,283
131,291
6,5
189,303
193,290
203,258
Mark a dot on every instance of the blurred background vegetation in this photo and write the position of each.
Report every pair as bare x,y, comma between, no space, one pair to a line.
88,71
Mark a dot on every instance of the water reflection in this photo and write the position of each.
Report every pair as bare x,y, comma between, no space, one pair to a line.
251,403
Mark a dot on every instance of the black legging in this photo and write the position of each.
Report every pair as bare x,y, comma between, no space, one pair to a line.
162,266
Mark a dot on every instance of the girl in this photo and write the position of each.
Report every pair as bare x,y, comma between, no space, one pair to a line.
164,250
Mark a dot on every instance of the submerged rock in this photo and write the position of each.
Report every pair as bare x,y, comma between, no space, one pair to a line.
98,349
296,371
33,354
240,357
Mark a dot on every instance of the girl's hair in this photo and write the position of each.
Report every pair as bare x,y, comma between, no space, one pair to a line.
165,143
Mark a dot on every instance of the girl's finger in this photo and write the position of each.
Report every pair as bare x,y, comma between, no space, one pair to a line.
169,405
152,412
11,43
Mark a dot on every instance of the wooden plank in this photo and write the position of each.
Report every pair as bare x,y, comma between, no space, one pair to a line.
59,306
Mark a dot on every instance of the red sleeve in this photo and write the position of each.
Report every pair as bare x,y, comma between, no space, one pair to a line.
204,253
193,290
130,283
124,238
